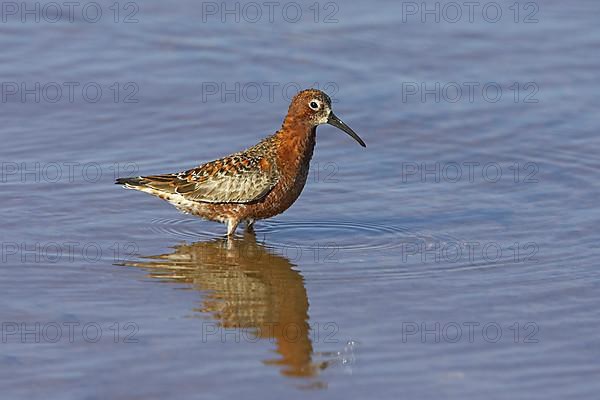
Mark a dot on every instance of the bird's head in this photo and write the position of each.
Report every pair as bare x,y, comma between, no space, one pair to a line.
314,107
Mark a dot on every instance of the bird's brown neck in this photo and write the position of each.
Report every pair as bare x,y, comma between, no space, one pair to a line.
296,141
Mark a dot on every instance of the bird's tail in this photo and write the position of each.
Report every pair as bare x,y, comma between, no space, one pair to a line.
131,181
154,184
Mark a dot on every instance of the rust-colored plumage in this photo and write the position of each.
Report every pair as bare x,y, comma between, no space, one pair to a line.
256,183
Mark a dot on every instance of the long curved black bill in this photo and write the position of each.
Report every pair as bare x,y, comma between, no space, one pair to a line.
338,123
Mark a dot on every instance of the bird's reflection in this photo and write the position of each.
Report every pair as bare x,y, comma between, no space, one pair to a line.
247,286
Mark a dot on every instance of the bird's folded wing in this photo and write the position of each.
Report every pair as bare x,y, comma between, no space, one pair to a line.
234,179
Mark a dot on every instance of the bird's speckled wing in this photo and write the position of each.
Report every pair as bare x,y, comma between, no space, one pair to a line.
239,178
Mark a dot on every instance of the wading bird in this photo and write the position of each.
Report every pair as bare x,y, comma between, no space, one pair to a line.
257,183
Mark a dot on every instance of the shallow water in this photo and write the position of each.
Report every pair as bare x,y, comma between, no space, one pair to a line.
455,256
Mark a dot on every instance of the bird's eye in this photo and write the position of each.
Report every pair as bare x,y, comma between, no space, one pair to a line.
314,105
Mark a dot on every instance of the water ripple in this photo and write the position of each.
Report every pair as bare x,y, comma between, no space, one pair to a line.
344,235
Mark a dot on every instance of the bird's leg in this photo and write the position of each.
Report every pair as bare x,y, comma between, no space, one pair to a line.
232,224
250,225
